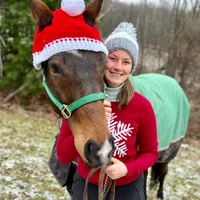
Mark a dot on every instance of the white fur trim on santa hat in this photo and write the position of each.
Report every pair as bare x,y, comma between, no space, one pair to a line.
73,7
67,44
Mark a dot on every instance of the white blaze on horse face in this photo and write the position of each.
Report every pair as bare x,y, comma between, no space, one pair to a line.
76,53
104,152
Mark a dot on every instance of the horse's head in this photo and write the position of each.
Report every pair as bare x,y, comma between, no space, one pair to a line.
73,66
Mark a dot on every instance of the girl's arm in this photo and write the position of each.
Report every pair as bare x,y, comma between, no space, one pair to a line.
66,150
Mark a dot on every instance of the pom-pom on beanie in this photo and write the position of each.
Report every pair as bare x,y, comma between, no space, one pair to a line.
124,37
68,31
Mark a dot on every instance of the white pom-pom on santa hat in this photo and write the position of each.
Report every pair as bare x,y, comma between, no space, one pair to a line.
73,7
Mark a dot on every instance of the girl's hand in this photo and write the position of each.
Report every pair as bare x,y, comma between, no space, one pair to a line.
117,169
108,109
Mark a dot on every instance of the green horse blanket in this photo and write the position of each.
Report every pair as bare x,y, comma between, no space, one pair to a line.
170,105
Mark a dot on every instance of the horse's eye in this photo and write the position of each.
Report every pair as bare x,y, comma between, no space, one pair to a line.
55,69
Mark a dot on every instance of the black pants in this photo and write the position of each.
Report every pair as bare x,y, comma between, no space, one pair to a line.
132,191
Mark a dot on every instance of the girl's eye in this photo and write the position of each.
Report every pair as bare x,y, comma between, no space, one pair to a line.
112,58
127,63
55,69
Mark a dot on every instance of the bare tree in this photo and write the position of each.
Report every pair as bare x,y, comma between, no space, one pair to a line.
142,31
178,23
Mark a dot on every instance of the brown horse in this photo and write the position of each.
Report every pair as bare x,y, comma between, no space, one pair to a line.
72,75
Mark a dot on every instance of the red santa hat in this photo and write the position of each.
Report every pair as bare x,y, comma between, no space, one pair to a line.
68,31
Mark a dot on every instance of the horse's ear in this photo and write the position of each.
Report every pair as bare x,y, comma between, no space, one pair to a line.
41,13
92,11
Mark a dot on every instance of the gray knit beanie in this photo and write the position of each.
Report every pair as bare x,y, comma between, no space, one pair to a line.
124,38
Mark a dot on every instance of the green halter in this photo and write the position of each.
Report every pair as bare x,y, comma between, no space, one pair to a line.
66,110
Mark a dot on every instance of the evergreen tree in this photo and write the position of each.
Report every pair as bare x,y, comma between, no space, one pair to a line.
17,30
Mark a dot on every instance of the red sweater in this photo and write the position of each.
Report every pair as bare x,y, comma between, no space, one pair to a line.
135,137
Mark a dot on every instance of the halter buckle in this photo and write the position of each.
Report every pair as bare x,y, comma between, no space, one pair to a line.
63,111
106,96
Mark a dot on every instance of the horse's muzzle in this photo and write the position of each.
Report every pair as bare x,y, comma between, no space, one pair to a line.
98,155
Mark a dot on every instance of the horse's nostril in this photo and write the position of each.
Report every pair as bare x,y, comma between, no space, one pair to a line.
91,149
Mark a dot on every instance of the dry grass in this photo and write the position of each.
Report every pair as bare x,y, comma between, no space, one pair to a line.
26,142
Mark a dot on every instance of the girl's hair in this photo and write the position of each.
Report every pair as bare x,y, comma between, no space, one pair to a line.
126,94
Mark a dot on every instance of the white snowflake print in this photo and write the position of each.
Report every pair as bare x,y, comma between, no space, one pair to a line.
120,133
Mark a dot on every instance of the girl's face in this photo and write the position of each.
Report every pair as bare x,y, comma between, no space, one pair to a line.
118,68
